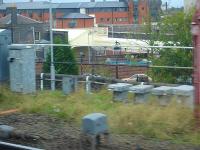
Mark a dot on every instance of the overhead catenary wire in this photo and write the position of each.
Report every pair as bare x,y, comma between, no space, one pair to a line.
85,45
133,46
147,66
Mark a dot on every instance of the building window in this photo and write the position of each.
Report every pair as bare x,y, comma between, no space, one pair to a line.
72,23
108,19
101,19
40,54
37,36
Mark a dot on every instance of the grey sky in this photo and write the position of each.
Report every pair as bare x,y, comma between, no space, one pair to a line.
174,3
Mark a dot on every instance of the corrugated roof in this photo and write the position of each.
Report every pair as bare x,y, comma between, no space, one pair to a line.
92,5
20,20
76,16
45,5
68,5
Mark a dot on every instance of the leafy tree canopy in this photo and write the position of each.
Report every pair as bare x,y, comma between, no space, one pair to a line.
62,54
173,30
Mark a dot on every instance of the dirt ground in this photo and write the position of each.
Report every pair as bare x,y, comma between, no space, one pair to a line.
49,133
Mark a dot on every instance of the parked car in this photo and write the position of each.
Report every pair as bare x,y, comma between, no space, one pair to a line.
138,78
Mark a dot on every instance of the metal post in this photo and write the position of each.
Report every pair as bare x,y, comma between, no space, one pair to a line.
117,48
41,81
196,62
112,31
33,32
88,85
89,52
52,53
81,61
117,67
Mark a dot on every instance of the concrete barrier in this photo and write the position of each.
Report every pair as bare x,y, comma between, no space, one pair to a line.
142,93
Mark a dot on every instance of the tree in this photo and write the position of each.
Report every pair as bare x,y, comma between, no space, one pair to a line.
173,30
62,54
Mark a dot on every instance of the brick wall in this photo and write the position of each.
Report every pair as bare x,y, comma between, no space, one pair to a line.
112,18
80,23
130,11
110,70
143,11
125,17
39,67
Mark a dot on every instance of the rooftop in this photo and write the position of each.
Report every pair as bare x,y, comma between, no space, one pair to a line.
46,5
20,20
76,16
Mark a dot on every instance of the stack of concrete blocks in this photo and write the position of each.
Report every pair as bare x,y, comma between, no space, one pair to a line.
22,69
120,91
142,93
163,94
69,84
184,95
94,127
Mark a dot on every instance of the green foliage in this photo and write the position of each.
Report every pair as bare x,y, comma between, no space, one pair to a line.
176,29
173,30
62,54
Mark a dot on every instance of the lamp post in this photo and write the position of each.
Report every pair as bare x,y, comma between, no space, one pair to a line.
52,68
117,47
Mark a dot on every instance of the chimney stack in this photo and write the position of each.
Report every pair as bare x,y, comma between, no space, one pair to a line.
1,2
13,11
92,0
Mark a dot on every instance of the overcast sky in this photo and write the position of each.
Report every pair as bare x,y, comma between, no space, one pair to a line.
174,3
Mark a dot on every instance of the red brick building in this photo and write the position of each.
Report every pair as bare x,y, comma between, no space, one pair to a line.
75,20
105,12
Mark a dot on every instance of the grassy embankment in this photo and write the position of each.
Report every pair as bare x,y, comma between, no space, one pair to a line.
174,122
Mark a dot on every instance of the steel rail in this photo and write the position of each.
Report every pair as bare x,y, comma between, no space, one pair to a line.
10,146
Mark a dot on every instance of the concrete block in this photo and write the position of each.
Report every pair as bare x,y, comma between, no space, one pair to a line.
119,87
184,94
69,85
94,124
142,93
5,131
120,91
164,94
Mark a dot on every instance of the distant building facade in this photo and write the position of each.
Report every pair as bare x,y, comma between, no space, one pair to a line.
77,20
23,29
105,12
189,4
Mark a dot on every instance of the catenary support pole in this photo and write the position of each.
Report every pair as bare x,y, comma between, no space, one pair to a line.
196,61
52,68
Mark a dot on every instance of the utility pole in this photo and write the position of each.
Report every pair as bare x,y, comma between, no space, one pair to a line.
196,62
52,68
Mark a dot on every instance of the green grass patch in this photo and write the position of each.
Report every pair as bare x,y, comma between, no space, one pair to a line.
174,122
